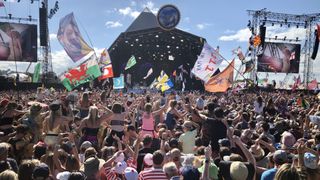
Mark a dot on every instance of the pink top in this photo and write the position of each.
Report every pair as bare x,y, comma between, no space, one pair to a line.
147,122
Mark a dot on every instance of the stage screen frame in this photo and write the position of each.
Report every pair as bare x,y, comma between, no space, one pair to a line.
266,61
24,37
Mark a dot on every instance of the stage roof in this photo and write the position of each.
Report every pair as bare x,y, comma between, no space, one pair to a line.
153,48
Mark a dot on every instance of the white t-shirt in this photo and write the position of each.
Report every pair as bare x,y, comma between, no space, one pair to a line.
188,141
257,108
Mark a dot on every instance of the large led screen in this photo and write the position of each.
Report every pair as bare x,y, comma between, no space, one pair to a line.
18,42
280,57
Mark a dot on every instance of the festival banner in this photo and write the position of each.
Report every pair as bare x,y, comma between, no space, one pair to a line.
131,62
36,73
207,63
118,82
84,73
105,65
70,38
166,86
222,81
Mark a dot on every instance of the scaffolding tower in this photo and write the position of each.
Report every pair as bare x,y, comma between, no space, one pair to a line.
308,21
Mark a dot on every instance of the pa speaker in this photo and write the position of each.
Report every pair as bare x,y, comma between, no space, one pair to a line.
43,20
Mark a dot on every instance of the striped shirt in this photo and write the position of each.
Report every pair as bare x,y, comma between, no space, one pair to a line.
152,174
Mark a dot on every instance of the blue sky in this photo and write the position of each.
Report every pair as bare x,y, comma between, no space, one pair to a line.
222,23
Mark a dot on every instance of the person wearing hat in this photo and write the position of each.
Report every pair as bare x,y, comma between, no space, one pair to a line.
156,172
187,139
92,166
280,157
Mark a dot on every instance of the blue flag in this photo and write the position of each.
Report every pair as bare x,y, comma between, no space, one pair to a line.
118,83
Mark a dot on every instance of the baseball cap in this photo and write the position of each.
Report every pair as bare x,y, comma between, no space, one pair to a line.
131,174
148,159
238,170
310,160
120,167
41,171
280,157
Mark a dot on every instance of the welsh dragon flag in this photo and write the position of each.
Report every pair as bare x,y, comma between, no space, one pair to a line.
85,72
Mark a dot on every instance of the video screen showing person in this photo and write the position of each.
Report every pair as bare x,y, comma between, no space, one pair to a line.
18,42
280,57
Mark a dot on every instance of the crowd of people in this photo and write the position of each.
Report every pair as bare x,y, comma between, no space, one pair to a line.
109,135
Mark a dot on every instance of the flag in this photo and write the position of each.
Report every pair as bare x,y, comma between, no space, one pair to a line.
70,38
105,65
166,86
207,63
86,72
297,82
36,73
249,67
118,82
313,85
105,58
150,71
1,3
131,62
239,53
222,81
107,72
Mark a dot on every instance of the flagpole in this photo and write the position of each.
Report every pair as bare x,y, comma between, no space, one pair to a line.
233,68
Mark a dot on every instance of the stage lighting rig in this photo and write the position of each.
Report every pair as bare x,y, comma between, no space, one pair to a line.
54,10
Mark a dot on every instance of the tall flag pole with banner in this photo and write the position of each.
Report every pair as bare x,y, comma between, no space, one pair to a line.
118,82
105,65
36,73
70,38
84,73
131,62
207,63
222,81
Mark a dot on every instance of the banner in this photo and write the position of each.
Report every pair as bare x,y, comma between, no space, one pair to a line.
118,83
222,81
18,42
70,38
105,65
131,62
84,73
36,73
207,63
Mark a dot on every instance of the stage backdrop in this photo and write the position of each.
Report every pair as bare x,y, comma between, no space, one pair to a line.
280,57
18,42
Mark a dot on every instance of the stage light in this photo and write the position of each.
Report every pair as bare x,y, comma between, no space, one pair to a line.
272,24
297,38
276,37
140,45
157,36
288,25
177,47
285,38
137,39
126,42
280,25
32,1
131,45
10,16
157,45
297,26
30,18
181,40
173,37
139,57
168,47
285,21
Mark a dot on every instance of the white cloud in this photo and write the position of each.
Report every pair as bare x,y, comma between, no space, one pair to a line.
133,3
228,31
202,26
242,35
151,7
52,36
128,11
113,24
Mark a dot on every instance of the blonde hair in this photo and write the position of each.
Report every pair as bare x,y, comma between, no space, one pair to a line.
286,171
9,175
